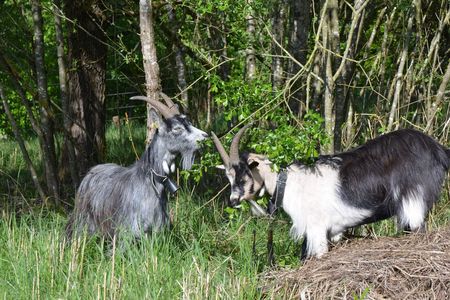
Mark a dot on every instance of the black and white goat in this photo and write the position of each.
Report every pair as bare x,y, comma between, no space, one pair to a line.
397,174
112,197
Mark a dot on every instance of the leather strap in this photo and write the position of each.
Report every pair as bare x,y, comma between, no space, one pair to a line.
277,197
168,184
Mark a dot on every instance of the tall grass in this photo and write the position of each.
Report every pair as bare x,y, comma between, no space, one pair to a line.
205,255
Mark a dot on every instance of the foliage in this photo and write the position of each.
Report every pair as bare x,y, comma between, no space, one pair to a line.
287,143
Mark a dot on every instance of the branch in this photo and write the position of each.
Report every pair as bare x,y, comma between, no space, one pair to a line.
22,146
355,19
439,98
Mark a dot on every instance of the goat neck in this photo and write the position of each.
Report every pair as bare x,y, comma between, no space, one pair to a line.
264,174
154,156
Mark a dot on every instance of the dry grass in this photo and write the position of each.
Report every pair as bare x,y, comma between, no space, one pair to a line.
415,266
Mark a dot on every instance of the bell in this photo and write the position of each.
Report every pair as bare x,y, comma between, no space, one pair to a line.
170,186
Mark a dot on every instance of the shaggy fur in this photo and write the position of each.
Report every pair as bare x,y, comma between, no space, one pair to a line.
112,198
397,174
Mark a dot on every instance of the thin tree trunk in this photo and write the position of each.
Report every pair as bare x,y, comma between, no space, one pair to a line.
62,72
368,46
16,81
21,143
383,88
180,64
329,87
317,84
224,68
278,23
49,155
87,52
150,60
435,42
375,30
336,97
344,73
350,131
399,76
298,47
438,100
250,58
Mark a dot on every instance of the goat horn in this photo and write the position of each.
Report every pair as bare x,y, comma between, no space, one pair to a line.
163,109
223,153
172,106
234,148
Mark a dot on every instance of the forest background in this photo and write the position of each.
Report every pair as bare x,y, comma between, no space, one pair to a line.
314,76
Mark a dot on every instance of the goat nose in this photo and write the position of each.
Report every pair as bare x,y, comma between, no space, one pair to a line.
234,202
205,135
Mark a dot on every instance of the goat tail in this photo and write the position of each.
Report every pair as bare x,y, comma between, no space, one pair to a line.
447,160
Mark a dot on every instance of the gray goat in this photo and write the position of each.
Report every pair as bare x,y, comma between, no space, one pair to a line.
112,198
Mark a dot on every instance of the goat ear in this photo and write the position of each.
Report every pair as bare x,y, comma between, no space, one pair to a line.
252,163
221,167
154,115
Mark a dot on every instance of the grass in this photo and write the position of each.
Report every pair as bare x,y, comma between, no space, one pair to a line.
206,255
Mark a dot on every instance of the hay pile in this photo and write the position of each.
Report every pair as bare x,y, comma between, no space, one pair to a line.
407,267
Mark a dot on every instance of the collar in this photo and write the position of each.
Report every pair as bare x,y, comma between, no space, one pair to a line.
277,197
165,181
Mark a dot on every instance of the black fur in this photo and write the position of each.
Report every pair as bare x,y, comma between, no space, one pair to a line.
378,174
243,173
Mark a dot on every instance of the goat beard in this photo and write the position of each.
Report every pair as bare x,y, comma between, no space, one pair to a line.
188,160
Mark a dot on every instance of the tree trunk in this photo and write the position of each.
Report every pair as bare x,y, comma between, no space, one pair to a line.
150,60
398,81
344,72
224,68
62,72
180,64
250,58
330,42
49,155
278,23
23,149
383,88
438,100
87,73
298,47
328,98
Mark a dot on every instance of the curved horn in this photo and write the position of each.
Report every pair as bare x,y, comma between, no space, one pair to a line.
234,148
163,109
223,153
172,106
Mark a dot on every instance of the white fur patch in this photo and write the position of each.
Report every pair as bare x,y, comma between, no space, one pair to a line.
412,212
311,200
166,167
262,191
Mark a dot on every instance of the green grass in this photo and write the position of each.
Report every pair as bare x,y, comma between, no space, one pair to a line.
206,255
